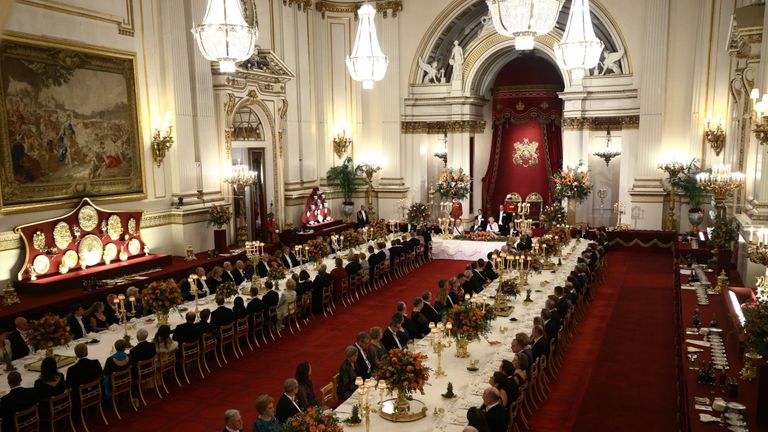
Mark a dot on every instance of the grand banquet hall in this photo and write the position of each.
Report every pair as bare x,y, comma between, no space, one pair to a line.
383,215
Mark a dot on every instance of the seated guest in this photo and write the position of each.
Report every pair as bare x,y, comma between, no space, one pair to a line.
338,274
549,324
458,228
17,399
186,332
215,278
83,371
306,395
137,307
478,275
495,414
233,422
473,284
97,319
204,325
117,362
525,243
266,421
476,420
288,296
239,308
365,268
454,290
78,325
270,299
521,345
402,336
353,267
284,257
486,267
420,321
507,388
540,345
563,304
322,280
200,283
109,311
305,283
163,342
476,227
18,339
521,364
228,275
240,272
143,351
375,350
255,305
262,268
363,366
373,258
51,383
492,226
389,339
346,386
414,331
287,406
428,310
443,301
222,315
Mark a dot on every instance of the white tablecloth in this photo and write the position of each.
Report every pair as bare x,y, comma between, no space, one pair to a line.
468,386
463,250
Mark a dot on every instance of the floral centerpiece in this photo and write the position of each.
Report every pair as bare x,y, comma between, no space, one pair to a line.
418,213
227,290
276,273
351,239
756,327
549,243
161,297
317,250
573,184
560,233
509,287
48,332
553,215
404,371
219,215
453,183
313,419
724,231
469,321
478,236
379,229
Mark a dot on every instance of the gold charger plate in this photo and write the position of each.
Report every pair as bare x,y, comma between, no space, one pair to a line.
90,249
62,235
61,361
110,251
88,218
114,227
41,264
70,258
134,246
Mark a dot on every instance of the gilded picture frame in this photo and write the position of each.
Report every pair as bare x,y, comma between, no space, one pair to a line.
69,125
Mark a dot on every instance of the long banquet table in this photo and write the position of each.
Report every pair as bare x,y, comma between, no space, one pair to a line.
468,386
464,250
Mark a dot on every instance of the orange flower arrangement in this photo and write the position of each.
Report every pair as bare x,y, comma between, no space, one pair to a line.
404,371
161,296
313,420
317,250
469,321
49,331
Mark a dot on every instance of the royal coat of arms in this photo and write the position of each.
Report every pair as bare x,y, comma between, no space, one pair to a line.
526,153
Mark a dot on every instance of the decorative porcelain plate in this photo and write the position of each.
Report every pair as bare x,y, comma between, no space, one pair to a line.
70,258
132,226
114,227
134,246
62,235
38,240
41,264
90,249
110,252
88,218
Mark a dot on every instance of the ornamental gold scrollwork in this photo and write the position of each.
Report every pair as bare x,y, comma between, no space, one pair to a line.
526,153
440,127
38,240
88,218
62,235
132,226
114,227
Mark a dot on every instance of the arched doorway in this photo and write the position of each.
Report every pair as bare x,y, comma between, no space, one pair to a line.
527,143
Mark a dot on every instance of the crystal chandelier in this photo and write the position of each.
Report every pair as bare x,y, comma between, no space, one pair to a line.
579,49
609,151
241,176
367,63
720,183
524,19
224,36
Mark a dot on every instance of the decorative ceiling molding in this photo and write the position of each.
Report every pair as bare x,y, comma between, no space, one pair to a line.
746,31
125,23
440,127
301,4
602,123
383,6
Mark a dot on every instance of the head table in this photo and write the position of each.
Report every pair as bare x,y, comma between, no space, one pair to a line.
102,349
469,386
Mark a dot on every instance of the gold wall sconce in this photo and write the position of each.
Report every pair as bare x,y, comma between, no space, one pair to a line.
714,133
162,139
759,117
341,143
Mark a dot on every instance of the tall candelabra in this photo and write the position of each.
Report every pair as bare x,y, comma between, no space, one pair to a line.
241,177
673,169
302,254
193,289
369,170
441,339
364,390
445,227
254,250
720,183
336,242
125,314
523,267
620,208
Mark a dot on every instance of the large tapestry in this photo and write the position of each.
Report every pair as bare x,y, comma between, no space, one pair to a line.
68,125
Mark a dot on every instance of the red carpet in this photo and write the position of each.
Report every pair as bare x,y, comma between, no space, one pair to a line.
201,405
619,371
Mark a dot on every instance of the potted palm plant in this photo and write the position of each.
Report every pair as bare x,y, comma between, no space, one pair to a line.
344,175
689,187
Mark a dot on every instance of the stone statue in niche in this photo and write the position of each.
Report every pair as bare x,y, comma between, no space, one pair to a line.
611,63
457,61
431,72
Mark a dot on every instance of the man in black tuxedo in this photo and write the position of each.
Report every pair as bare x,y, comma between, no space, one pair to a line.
408,325
475,228
17,399
540,346
487,269
503,221
563,305
109,310
363,365
271,298
525,243
18,339
550,325
551,305
287,406
428,310
353,267
389,338
395,251
322,280
142,351
262,268
362,217
373,258
285,259
495,414
222,315
202,286
479,220
240,274
228,275
78,325
187,332
233,422
83,371
382,254
255,306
